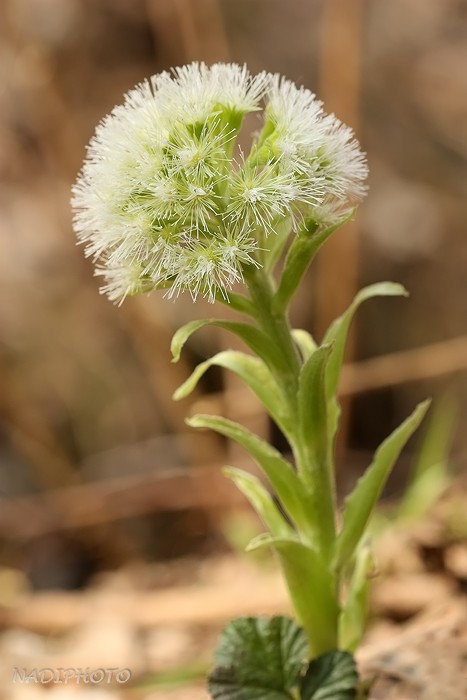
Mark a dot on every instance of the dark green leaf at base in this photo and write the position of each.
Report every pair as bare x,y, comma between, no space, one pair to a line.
331,676
259,659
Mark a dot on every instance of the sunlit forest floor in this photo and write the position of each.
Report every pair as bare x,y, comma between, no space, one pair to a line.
161,620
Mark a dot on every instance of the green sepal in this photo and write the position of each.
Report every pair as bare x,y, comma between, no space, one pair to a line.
311,587
280,473
332,676
361,502
261,500
352,620
254,373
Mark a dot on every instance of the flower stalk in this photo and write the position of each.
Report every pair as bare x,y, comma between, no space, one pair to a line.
167,200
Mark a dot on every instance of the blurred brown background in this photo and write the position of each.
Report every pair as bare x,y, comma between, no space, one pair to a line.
96,466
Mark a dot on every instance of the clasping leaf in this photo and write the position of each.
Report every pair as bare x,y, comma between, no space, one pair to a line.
254,373
360,503
289,489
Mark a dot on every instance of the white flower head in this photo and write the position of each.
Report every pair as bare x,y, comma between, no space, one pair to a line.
163,201
341,162
314,145
211,266
295,111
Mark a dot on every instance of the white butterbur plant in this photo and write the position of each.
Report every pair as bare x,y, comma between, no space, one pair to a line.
167,199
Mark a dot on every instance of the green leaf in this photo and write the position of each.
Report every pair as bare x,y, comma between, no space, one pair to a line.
181,336
300,254
239,302
311,587
352,620
338,330
282,228
312,407
337,335
430,474
258,659
305,342
284,480
361,502
261,501
315,466
253,337
254,373
332,676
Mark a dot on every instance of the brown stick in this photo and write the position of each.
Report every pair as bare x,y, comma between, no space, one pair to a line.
83,505
252,593
337,266
337,269
428,362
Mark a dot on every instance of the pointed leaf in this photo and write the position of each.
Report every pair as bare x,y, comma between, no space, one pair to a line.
315,466
276,243
258,659
430,475
352,620
305,342
312,406
302,251
284,480
182,335
257,341
332,676
254,373
337,335
360,503
253,337
239,302
311,587
261,501
337,332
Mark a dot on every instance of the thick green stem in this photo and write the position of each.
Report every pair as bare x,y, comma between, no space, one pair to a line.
275,324
312,467
323,496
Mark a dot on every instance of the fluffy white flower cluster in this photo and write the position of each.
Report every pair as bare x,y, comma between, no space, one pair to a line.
166,199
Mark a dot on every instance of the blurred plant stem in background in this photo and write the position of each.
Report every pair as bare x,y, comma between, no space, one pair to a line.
340,69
